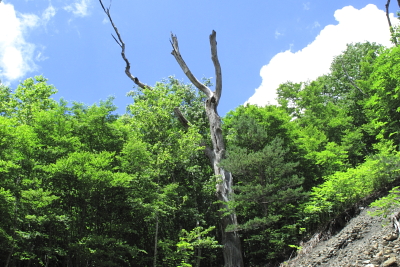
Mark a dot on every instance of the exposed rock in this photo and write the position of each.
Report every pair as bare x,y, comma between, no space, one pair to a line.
390,262
363,242
391,237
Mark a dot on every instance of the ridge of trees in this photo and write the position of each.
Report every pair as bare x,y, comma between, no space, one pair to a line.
83,186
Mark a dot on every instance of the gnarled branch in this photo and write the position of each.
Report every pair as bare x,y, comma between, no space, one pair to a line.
121,43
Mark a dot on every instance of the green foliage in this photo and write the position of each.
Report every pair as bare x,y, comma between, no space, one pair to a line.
342,189
385,205
383,103
330,112
191,241
261,151
31,95
81,185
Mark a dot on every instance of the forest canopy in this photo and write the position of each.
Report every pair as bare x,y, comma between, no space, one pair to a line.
82,185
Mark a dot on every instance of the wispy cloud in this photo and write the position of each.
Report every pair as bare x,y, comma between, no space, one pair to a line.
48,14
79,8
306,6
315,25
314,60
277,34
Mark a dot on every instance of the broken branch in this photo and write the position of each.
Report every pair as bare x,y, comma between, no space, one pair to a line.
217,66
181,117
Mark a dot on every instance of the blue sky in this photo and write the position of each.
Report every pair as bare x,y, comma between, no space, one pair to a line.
260,43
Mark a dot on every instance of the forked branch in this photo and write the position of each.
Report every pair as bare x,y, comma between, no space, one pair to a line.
121,43
175,52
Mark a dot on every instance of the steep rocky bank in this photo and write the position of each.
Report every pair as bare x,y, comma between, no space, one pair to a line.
365,241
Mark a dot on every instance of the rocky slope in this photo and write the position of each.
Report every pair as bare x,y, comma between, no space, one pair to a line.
364,241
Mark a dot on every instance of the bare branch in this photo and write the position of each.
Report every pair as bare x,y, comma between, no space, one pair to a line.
181,118
387,13
394,39
122,45
116,40
217,66
174,43
185,68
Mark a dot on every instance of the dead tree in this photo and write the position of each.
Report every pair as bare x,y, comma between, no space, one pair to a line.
230,239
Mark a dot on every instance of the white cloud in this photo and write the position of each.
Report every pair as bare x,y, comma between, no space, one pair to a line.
314,60
79,8
16,54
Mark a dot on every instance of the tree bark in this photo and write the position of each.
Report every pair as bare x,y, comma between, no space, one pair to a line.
230,239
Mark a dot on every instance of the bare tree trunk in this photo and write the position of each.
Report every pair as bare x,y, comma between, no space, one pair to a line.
9,256
232,248
155,243
198,260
